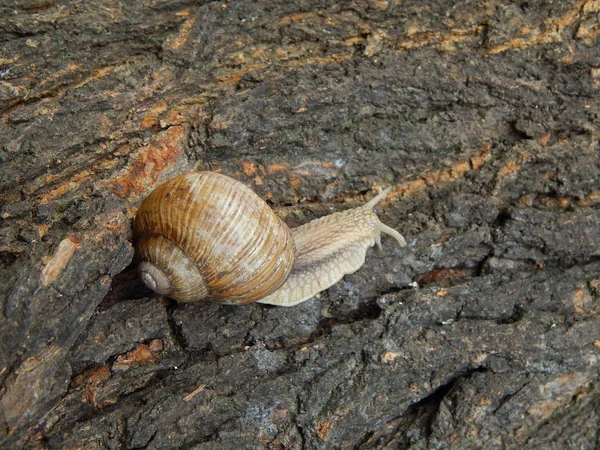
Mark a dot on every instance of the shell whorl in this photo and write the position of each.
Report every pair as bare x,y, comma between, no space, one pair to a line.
166,269
235,248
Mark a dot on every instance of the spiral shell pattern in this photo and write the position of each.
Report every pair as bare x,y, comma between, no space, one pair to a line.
238,250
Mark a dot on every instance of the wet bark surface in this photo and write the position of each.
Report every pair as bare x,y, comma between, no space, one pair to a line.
484,332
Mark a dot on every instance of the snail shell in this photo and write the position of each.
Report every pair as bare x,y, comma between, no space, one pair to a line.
205,235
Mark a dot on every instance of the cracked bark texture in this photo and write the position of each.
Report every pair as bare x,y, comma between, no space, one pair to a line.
483,116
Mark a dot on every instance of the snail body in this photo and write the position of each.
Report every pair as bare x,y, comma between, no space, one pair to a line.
206,235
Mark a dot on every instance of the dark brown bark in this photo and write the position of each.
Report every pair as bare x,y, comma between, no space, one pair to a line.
485,119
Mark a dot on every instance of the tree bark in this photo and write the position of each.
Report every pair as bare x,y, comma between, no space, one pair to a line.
484,117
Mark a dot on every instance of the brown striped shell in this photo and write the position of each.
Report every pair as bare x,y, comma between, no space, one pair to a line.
205,235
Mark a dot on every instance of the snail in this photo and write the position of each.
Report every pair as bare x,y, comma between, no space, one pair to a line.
205,235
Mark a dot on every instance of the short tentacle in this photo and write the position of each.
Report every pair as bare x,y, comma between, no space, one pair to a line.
371,203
